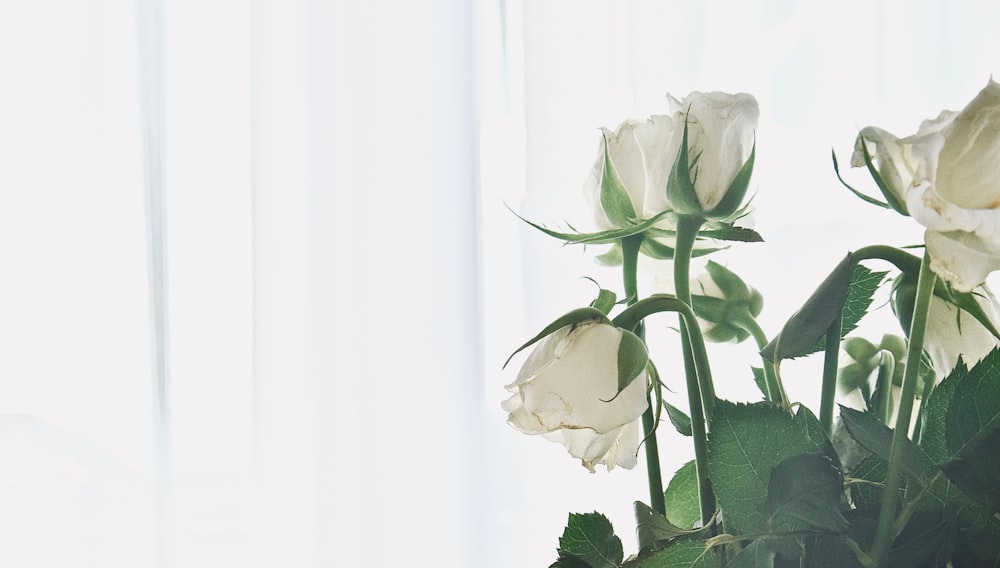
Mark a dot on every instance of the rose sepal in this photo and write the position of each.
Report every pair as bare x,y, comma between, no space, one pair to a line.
574,317
615,201
684,196
737,190
887,192
599,237
680,187
862,196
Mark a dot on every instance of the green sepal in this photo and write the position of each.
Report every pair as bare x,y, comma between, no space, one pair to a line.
737,190
600,237
574,317
660,251
890,197
632,358
732,233
615,201
613,256
865,198
605,301
680,187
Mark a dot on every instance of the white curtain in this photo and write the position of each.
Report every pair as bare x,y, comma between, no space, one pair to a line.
257,276
279,363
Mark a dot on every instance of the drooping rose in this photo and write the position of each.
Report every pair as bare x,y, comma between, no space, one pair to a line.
947,177
567,390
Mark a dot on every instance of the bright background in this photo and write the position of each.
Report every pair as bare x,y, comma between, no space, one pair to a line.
259,275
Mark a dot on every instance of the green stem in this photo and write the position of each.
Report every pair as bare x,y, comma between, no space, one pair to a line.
775,390
630,261
883,384
701,390
830,362
885,533
687,233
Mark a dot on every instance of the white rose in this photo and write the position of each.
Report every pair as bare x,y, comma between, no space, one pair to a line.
566,391
621,148
947,177
720,141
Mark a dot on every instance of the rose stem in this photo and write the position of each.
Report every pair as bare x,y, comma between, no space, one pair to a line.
630,261
830,362
884,532
701,391
775,391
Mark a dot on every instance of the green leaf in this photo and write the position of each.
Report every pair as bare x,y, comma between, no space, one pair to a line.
632,358
977,471
974,412
590,538
962,429
683,508
736,191
805,491
760,380
655,531
876,437
872,469
807,326
680,554
927,540
615,200
680,420
755,555
746,442
933,436
680,188
829,551
852,289
574,317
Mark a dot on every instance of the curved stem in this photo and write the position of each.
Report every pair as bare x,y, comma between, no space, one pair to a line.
775,390
630,260
885,533
701,390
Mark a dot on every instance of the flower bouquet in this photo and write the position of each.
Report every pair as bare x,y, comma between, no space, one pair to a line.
908,477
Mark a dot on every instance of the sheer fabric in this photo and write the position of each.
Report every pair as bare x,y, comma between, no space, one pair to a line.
301,365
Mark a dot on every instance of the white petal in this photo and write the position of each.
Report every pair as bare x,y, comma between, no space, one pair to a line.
952,333
967,174
659,149
963,259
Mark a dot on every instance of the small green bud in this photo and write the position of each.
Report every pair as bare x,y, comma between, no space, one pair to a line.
724,303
